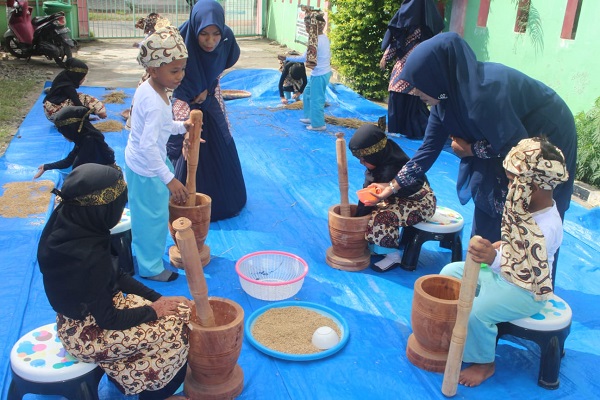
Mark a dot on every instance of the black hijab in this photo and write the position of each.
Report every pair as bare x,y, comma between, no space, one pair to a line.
371,144
74,250
66,82
74,124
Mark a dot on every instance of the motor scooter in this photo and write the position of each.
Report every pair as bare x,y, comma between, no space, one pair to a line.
41,36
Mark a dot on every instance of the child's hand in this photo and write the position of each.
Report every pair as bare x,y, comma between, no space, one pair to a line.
284,100
461,147
178,191
188,124
482,251
39,172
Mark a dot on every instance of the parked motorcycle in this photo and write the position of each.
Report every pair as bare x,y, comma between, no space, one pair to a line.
41,36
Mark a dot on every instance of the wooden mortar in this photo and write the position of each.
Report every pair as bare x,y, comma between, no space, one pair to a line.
349,250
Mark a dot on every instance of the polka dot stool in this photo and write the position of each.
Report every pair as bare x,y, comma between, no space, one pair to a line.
120,242
549,329
40,365
445,226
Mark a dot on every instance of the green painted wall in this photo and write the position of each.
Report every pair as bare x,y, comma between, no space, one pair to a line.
565,65
281,22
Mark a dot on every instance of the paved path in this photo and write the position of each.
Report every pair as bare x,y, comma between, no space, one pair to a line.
113,63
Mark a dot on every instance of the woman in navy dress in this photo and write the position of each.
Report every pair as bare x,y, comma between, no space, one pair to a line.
212,48
485,108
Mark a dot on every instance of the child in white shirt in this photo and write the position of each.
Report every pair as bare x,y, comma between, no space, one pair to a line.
519,279
149,173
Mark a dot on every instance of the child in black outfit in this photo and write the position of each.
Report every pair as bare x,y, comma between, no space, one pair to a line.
292,82
73,123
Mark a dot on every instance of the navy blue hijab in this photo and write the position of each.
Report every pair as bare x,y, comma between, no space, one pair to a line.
412,14
482,101
203,68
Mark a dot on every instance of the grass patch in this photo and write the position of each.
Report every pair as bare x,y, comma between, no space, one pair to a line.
14,93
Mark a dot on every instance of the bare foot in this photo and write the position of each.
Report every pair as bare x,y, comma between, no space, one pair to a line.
476,373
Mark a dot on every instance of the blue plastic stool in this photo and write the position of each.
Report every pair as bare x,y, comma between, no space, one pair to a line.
41,365
549,329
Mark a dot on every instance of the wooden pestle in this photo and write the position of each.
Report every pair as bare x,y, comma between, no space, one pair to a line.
186,241
468,287
342,163
192,157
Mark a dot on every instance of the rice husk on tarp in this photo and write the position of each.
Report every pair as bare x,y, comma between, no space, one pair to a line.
22,199
109,126
116,97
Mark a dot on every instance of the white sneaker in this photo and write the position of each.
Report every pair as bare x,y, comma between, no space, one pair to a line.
318,128
389,260
305,120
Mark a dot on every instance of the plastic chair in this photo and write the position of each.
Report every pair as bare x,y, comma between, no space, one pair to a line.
120,242
41,365
445,226
549,329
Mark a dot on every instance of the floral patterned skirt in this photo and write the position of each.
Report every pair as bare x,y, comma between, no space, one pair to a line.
88,101
383,227
144,357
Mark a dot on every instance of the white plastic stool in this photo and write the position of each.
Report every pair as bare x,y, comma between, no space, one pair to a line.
41,365
549,329
445,226
120,241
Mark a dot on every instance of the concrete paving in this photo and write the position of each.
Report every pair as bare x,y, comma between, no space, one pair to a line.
112,62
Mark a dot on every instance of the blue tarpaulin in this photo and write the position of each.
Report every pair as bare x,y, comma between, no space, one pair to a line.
292,180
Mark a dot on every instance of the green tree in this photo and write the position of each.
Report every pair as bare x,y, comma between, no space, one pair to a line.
588,145
357,30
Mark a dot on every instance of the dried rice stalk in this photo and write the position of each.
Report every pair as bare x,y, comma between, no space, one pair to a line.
117,97
347,122
109,126
22,199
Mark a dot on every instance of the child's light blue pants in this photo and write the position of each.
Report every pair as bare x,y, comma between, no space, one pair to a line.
497,301
149,207
314,99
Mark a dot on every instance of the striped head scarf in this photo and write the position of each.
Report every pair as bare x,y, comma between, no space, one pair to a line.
524,255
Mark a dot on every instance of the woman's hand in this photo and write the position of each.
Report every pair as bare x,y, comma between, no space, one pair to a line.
284,100
170,305
461,147
178,191
382,63
39,172
383,191
201,97
482,251
296,95
102,115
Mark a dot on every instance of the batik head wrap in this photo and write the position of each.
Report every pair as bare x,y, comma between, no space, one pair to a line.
162,47
524,254
315,24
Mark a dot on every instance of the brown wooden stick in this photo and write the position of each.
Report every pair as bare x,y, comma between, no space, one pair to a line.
342,163
186,242
468,286
193,155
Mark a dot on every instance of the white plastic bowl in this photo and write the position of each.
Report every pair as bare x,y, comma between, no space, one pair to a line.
325,338
271,275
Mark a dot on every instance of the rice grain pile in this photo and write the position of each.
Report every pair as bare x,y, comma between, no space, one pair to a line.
116,97
290,329
109,126
23,199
